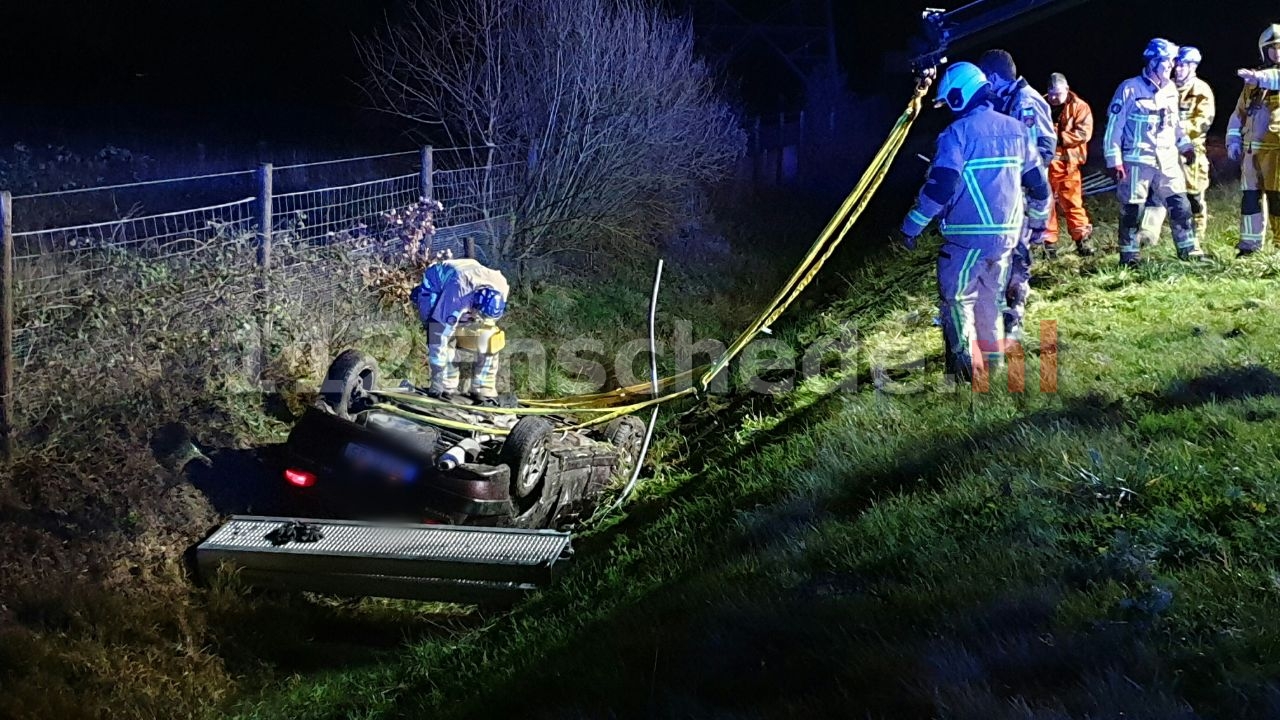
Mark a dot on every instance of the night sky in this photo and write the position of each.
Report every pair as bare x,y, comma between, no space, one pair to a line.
240,70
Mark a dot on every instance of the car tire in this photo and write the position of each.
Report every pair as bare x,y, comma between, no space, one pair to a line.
626,434
525,450
351,377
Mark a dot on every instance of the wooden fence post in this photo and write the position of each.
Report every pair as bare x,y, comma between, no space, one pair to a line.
426,184
427,190
6,325
264,219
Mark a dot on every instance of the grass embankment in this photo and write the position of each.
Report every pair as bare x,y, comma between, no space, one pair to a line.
98,617
903,549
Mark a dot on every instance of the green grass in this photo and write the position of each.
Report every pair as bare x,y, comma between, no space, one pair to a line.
868,543
1109,548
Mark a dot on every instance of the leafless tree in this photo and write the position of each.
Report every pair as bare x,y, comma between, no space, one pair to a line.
604,102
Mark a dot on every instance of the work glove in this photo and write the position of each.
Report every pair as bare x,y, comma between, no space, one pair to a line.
1190,156
1235,149
907,241
1118,173
1249,76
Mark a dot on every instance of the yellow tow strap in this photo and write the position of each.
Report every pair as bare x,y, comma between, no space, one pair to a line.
624,401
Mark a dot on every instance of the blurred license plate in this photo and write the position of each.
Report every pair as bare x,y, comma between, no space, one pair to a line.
366,459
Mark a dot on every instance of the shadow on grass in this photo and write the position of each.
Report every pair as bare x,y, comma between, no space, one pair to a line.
702,644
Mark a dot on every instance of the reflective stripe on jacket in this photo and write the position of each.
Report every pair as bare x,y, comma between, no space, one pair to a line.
1256,120
1195,108
1029,107
990,156
1143,125
1270,78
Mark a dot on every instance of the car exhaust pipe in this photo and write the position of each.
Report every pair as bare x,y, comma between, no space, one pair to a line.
466,449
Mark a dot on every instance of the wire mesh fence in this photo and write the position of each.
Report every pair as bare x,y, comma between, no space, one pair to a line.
141,289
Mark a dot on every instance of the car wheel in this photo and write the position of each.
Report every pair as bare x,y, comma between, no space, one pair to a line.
626,434
526,451
351,377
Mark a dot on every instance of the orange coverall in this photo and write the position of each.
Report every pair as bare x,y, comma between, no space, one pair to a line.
1074,120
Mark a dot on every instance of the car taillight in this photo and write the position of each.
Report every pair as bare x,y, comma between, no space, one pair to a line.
299,478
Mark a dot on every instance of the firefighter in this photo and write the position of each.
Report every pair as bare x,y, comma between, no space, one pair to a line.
1253,137
1141,147
459,302
1268,76
1012,96
983,164
1073,120
1196,113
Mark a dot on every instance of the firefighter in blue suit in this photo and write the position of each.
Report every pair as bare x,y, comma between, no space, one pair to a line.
1142,145
461,300
985,185
1012,96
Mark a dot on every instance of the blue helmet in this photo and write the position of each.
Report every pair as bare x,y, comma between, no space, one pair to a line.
1188,55
1160,49
489,303
960,83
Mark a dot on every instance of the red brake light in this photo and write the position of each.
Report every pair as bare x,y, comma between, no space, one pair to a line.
299,478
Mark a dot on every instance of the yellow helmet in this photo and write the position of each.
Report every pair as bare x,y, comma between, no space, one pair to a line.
1270,36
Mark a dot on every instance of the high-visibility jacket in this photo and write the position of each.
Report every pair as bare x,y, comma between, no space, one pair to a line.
1143,126
447,289
1196,110
1256,120
1020,102
983,162
1075,130
1269,78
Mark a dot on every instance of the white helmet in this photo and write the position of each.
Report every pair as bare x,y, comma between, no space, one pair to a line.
959,84
1270,36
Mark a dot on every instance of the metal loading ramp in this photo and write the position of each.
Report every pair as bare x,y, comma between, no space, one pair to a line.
417,562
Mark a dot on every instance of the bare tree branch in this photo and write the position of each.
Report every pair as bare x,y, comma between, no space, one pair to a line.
616,119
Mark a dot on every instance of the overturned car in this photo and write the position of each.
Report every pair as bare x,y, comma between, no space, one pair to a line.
394,453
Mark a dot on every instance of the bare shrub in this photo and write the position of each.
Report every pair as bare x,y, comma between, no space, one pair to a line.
615,118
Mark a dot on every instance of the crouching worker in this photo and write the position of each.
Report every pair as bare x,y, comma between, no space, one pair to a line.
459,302
984,162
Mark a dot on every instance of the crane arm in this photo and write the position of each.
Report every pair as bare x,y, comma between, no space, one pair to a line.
947,31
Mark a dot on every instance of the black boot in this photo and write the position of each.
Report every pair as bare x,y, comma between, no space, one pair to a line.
1084,247
441,395
483,400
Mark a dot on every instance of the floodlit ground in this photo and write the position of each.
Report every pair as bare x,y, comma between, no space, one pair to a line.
867,543
916,551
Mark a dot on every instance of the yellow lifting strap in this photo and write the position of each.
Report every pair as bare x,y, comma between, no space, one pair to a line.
839,226
624,401
821,250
